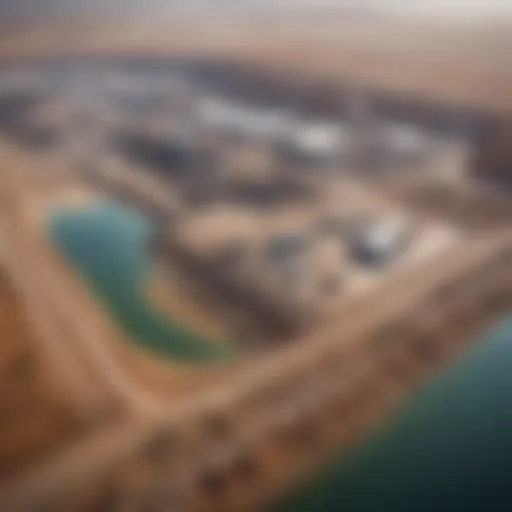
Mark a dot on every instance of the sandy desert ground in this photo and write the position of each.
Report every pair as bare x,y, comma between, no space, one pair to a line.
451,63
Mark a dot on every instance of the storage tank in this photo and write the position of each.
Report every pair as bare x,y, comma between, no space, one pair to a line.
315,143
381,242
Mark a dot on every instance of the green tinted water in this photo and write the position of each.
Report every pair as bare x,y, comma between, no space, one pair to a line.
107,244
449,450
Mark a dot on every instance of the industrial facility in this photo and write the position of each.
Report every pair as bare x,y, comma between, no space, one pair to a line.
229,290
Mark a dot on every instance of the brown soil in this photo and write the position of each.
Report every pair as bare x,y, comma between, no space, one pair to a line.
35,421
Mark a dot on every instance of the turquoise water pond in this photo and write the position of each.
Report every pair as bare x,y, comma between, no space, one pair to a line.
107,243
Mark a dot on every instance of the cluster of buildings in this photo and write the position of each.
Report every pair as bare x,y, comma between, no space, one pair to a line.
273,199
281,208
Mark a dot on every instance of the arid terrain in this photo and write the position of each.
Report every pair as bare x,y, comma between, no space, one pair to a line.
458,64
158,429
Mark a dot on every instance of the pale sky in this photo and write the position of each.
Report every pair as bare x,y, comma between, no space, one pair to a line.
464,8
452,7
473,9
